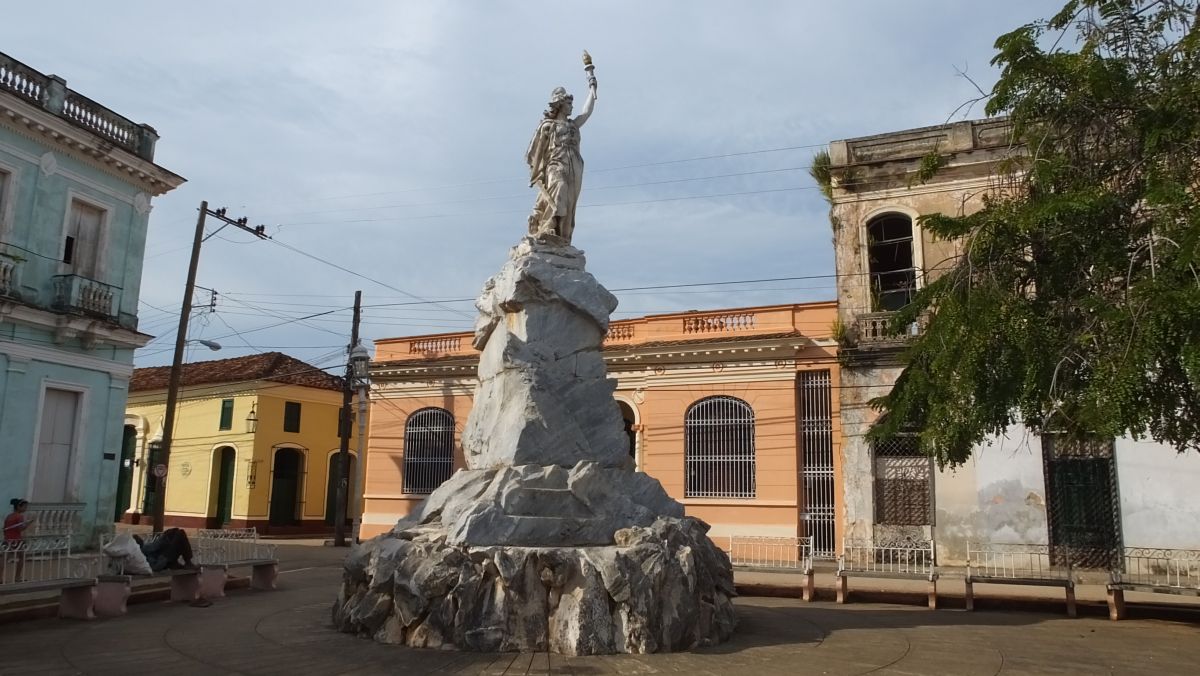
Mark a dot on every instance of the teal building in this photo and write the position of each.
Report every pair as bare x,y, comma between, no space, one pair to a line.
76,183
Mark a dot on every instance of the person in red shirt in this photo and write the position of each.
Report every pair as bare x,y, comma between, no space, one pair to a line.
14,534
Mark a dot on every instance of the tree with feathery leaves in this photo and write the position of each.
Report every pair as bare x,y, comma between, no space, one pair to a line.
1076,304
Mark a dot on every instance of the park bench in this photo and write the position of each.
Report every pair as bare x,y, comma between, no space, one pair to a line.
1020,564
900,558
115,585
218,550
1157,571
46,564
775,553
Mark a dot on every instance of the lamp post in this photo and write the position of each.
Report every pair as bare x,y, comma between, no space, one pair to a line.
343,465
360,360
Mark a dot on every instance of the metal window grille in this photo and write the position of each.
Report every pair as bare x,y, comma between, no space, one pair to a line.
719,449
903,483
816,435
428,449
1082,502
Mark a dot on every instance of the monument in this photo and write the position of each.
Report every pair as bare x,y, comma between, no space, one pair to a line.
549,539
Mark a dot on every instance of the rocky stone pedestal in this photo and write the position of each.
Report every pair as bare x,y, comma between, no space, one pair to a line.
548,540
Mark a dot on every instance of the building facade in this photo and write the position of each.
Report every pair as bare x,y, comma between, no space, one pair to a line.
734,411
76,183
256,445
1089,498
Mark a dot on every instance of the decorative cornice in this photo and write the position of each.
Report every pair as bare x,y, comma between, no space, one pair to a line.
29,352
90,332
41,126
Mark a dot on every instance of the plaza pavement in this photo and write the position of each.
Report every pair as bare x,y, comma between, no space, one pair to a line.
288,632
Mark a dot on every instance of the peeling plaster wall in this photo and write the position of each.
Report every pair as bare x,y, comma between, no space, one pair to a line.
1158,495
998,496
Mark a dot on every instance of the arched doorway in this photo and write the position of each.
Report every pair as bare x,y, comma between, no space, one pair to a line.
224,462
125,472
331,489
630,421
287,469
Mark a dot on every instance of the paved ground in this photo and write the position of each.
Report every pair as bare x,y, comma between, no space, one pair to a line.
288,632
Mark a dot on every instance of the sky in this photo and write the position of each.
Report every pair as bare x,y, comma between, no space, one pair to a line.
388,139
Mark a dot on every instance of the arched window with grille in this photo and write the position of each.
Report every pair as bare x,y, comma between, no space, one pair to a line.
719,449
428,449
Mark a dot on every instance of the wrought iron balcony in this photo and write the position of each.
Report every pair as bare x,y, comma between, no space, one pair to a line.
9,280
80,295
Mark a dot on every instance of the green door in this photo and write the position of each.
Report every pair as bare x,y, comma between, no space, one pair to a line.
285,488
1081,503
225,486
125,472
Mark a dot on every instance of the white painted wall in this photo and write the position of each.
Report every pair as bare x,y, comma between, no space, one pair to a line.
999,495
1158,488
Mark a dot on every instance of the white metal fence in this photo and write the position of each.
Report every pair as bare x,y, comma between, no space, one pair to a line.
1163,568
902,557
230,545
1013,561
41,559
772,553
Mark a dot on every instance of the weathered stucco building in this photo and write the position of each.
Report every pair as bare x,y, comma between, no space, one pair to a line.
1019,488
734,411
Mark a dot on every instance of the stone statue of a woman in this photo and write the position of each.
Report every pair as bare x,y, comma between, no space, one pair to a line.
555,164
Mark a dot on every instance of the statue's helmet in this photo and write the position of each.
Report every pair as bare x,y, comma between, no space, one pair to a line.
560,95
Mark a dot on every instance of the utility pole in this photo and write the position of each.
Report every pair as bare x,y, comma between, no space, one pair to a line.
339,523
185,312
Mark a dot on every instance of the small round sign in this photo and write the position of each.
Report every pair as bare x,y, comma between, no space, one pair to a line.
160,470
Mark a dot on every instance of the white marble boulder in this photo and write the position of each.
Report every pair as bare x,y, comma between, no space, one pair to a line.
664,587
543,395
548,539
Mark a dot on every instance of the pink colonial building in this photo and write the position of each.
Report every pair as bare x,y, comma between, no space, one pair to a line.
732,410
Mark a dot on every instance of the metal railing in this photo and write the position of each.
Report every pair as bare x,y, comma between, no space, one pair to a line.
902,557
73,293
230,545
52,519
1160,568
41,559
1013,561
771,552
8,275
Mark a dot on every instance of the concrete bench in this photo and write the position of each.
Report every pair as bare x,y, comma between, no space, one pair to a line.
113,590
1019,564
1156,571
902,558
45,564
775,553
213,577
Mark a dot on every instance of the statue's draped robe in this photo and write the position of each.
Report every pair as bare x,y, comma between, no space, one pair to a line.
556,167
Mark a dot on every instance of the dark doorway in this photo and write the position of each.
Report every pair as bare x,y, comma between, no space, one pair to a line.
286,473
629,418
151,494
1082,508
224,463
331,489
125,472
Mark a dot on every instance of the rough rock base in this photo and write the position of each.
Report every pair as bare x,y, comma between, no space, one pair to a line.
660,588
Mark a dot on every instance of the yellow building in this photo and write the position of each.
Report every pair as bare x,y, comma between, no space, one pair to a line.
255,440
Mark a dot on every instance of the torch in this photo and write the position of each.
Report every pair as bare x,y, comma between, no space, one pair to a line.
591,71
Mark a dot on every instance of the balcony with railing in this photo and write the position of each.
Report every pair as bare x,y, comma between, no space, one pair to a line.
810,319
80,295
874,329
50,93
9,277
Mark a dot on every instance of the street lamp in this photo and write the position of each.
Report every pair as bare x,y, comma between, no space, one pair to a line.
252,420
210,344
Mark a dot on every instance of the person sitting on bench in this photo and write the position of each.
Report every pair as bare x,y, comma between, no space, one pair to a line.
165,551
